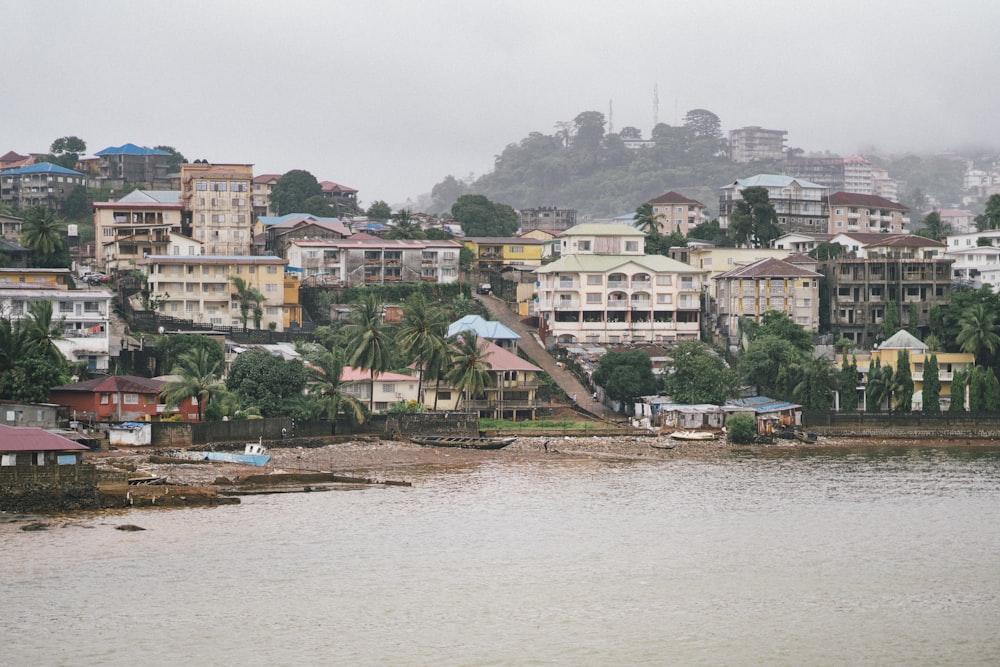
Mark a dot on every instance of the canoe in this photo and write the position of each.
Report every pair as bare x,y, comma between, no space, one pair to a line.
663,444
693,435
233,457
461,441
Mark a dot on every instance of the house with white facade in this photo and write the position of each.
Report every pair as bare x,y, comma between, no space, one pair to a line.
800,205
977,262
605,290
366,260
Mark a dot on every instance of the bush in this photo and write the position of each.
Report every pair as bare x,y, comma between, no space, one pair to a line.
741,429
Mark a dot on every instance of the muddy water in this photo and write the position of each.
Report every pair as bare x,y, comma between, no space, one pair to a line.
828,559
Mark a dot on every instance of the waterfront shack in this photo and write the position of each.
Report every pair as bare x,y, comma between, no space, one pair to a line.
33,458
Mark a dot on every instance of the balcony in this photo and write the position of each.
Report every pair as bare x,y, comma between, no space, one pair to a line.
617,284
567,304
618,305
429,279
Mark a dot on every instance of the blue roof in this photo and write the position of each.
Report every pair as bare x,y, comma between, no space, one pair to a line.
42,168
482,328
268,220
130,149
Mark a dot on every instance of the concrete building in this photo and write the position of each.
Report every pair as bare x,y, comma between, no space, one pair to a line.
342,198
261,194
879,271
144,167
800,205
676,213
40,183
389,388
200,288
138,224
217,206
977,262
546,218
716,260
960,221
605,290
494,253
765,285
850,212
373,261
747,144
800,242
273,234
839,174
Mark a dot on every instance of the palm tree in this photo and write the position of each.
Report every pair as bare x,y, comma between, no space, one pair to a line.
369,345
422,330
879,387
978,331
324,372
405,227
470,373
437,364
42,232
38,332
248,298
813,390
646,220
199,379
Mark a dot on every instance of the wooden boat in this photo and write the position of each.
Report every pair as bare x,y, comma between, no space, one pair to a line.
663,444
461,441
254,454
805,436
693,435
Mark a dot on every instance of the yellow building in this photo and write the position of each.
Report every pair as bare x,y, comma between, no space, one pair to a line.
715,260
887,354
38,277
492,254
200,288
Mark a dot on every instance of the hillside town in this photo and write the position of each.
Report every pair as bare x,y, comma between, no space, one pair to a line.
198,292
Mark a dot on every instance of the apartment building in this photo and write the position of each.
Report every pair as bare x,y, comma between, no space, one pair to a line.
715,260
494,253
747,144
146,167
84,313
767,284
977,258
40,183
605,290
851,212
800,205
342,198
273,234
260,196
200,288
138,224
373,261
217,206
958,220
840,174
878,271
676,213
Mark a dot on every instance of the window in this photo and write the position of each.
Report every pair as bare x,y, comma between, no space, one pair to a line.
595,280
238,186
663,281
270,287
218,186
687,283
8,460
565,281
131,399
201,186
594,298
517,249
388,388
105,399
583,245
664,298
272,270
631,246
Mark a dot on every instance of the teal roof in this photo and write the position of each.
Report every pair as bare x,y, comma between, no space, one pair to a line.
42,168
605,263
482,328
129,149
772,181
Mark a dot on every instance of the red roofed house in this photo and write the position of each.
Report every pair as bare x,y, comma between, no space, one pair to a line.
509,394
119,398
675,212
32,456
851,212
343,198
389,388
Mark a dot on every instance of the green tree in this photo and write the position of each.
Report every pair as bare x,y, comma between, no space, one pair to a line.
711,231
479,216
753,220
248,298
176,158
699,375
990,219
959,382
423,329
624,376
891,322
78,204
978,332
813,391
702,123
932,386
645,220
933,227
291,191
779,324
847,384
469,374
199,373
589,130
902,383
369,345
171,347
878,389
405,227
379,210
66,151
39,332
741,429
266,382
44,235
772,364
826,251
324,374
319,206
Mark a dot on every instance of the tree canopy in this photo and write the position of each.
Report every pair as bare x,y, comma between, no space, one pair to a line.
753,220
66,151
481,217
626,376
266,381
698,376
291,192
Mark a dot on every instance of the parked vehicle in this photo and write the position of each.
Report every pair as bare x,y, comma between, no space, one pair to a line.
484,288
96,278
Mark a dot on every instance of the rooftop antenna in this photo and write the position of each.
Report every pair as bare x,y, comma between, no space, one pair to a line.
611,111
656,104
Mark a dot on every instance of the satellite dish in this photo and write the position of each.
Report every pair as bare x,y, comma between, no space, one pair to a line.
161,330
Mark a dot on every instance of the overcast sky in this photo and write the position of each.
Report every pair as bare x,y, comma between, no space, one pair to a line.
391,96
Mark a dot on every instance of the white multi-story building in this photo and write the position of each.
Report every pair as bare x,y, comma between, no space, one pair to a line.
372,261
977,263
605,290
800,205
676,213
747,144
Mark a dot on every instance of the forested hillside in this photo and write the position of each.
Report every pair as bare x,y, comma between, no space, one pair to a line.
582,166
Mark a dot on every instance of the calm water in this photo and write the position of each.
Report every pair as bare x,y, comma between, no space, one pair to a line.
859,559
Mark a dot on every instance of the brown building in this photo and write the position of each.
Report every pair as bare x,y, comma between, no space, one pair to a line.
851,212
676,213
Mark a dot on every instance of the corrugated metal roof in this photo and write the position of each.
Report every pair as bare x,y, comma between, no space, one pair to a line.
604,263
129,149
772,181
41,168
21,439
482,328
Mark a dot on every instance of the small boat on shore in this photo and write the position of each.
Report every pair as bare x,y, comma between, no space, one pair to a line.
663,444
806,436
254,454
461,441
693,435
